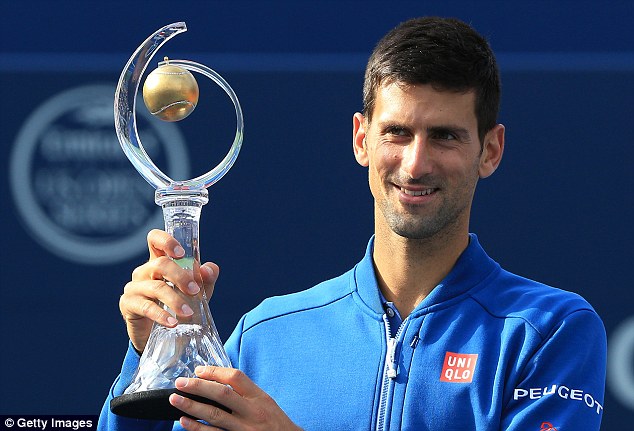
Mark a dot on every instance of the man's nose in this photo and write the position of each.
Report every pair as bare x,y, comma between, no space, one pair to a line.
417,158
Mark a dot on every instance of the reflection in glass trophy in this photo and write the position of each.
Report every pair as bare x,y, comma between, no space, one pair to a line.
171,93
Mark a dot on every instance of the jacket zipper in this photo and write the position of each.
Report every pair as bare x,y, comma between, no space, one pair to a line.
390,371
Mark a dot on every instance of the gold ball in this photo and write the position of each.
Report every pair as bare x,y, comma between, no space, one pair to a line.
170,92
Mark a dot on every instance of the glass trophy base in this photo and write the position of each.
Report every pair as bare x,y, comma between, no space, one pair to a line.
154,404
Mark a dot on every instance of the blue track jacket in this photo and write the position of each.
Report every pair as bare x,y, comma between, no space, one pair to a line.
486,350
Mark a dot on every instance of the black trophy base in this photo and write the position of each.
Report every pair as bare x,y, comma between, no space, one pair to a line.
154,405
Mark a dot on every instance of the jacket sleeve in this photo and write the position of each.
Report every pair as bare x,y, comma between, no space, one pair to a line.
232,346
108,421
562,385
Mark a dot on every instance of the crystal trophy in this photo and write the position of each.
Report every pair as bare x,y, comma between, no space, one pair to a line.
171,352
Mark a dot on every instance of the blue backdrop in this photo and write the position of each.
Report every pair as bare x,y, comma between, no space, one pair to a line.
295,209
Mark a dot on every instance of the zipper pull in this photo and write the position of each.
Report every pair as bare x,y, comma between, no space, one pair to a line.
392,369
414,342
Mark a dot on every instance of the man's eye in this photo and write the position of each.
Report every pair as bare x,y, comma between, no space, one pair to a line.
396,131
445,136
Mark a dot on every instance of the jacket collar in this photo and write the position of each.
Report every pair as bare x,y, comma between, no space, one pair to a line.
471,268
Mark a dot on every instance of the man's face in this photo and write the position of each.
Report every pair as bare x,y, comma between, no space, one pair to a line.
424,159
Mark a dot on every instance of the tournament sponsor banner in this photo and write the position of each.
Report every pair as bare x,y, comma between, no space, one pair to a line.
75,190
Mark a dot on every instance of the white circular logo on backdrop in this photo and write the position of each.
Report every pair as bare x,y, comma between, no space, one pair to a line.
74,188
621,362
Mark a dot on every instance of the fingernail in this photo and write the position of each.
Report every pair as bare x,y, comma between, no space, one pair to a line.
186,422
199,370
179,251
172,321
176,399
187,311
207,270
193,288
181,382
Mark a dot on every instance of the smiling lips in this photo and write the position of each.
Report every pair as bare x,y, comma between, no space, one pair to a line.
410,192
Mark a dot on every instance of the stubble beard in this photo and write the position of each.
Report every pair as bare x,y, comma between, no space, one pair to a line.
413,226
446,219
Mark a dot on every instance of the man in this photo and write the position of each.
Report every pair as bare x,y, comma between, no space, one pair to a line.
426,332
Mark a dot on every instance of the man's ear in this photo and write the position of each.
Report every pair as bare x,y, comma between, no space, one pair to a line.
358,139
492,151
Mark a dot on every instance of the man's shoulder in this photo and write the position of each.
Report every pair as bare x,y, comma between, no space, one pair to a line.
320,295
540,305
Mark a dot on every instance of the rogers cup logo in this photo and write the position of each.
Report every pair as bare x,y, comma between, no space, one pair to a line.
73,186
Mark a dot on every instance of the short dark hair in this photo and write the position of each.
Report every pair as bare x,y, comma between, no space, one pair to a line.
444,52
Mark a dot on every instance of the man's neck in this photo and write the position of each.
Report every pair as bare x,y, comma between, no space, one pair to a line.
408,270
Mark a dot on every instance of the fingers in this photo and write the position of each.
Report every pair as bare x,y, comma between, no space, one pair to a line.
152,282
192,425
227,386
232,377
209,272
250,407
153,285
164,268
211,390
140,309
141,300
160,267
160,243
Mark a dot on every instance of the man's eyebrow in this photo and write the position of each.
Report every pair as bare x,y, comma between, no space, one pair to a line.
391,123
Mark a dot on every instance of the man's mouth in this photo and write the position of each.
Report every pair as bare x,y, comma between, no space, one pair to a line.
410,192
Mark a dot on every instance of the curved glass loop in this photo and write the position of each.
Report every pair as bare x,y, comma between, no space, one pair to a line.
125,114
223,167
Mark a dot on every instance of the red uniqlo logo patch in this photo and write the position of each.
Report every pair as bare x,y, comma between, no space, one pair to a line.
458,367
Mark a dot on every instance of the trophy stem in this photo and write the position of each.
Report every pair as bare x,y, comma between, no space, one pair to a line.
175,352
181,212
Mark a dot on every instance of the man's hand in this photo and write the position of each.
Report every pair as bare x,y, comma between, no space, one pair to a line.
139,302
251,407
